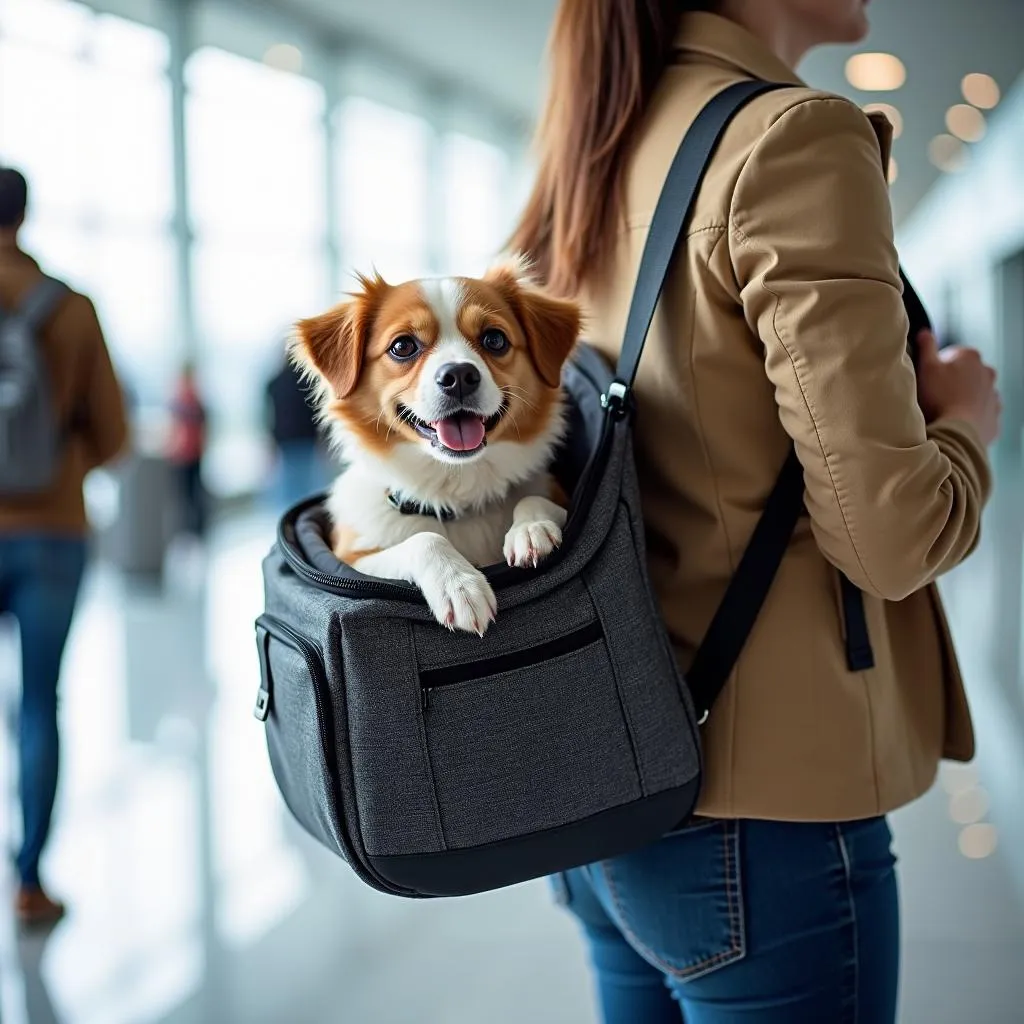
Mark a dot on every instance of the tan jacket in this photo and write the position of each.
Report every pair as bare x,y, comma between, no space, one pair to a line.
86,396
783,320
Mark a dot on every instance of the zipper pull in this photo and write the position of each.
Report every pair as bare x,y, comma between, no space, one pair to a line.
424,698
262,709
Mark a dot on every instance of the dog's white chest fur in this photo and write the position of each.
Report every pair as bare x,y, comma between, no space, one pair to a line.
441,556
361,502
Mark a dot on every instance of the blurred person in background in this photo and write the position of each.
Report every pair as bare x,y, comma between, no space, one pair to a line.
782,324
50,336
186,445
301,458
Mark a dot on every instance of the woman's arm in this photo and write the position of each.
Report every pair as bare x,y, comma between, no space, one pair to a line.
893,502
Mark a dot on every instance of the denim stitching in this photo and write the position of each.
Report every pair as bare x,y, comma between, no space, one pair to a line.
734,951
847,878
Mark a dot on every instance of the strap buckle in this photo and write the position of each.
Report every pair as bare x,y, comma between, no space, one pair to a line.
615,401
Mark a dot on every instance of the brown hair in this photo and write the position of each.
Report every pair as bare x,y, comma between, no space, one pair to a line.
606,58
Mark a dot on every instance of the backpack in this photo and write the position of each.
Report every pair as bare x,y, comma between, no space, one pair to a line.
30,435
441,764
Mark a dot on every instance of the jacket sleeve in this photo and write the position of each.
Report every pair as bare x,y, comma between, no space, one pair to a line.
893,502
102,423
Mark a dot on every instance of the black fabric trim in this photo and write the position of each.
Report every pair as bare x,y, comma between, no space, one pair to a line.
859,656
514,661
607,834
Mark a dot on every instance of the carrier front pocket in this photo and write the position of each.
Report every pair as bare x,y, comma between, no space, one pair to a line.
294,701
507,759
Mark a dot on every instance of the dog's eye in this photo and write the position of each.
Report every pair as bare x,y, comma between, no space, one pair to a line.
404,347
494,341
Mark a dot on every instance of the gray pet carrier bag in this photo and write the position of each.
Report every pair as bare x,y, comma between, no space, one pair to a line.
442,764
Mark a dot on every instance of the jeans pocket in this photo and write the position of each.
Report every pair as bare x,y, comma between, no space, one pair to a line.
679,903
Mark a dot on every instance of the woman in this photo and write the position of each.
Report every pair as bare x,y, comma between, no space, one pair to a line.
781,324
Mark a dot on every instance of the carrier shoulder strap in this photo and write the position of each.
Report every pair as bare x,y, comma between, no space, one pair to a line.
675,204
749,587
747,590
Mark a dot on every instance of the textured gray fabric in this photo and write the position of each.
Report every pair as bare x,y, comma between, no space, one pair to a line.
498,757
655,701
523,751
397,806
296,754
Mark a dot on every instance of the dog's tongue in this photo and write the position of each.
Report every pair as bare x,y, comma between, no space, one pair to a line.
462,433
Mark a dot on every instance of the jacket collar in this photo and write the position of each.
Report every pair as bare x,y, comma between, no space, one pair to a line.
703,35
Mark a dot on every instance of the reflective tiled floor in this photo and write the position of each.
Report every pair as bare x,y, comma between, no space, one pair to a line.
196,899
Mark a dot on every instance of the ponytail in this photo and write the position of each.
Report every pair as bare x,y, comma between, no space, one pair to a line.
606,57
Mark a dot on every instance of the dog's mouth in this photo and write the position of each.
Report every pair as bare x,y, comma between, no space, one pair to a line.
462,434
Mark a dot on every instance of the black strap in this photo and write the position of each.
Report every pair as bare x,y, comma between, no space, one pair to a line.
40,302
747,590
749,586
673,210
411,507
859,655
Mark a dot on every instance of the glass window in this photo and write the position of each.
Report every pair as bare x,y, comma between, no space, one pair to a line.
476,222
382,161
257,191
85,112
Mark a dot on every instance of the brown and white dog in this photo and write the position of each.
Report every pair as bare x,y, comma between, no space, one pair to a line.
445,398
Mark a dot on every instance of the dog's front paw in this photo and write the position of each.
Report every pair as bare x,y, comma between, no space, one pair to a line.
527,543
461,598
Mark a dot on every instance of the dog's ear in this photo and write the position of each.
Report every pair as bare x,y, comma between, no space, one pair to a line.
551,325
331,345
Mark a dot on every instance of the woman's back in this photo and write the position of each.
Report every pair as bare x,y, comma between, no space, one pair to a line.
788,266
781,328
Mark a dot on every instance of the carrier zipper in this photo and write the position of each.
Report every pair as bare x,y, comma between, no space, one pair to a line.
497,574
452,675
313,657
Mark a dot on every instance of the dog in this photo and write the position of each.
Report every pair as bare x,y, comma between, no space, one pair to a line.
444,396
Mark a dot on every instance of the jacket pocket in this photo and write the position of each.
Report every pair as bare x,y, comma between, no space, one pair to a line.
679,902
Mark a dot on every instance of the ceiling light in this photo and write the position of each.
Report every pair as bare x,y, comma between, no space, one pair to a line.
284,57
966,122
978,841
875,72
968,806
947,153
894,170
892,115
981,90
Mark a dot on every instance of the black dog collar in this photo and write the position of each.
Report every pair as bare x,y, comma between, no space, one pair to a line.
409,507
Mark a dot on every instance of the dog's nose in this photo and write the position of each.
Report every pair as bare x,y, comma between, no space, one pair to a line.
459,380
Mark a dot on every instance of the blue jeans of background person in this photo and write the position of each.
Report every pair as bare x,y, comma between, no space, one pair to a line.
745,921
39,581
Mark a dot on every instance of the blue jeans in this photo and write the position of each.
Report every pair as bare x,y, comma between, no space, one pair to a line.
39,581
745,921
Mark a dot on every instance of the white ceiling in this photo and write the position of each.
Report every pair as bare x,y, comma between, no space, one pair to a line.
494,50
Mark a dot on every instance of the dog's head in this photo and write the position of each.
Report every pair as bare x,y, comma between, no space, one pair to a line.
455,370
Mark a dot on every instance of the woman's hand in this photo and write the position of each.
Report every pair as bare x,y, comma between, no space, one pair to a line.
955,383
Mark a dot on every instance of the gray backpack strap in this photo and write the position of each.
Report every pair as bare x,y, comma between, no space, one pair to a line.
41,301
